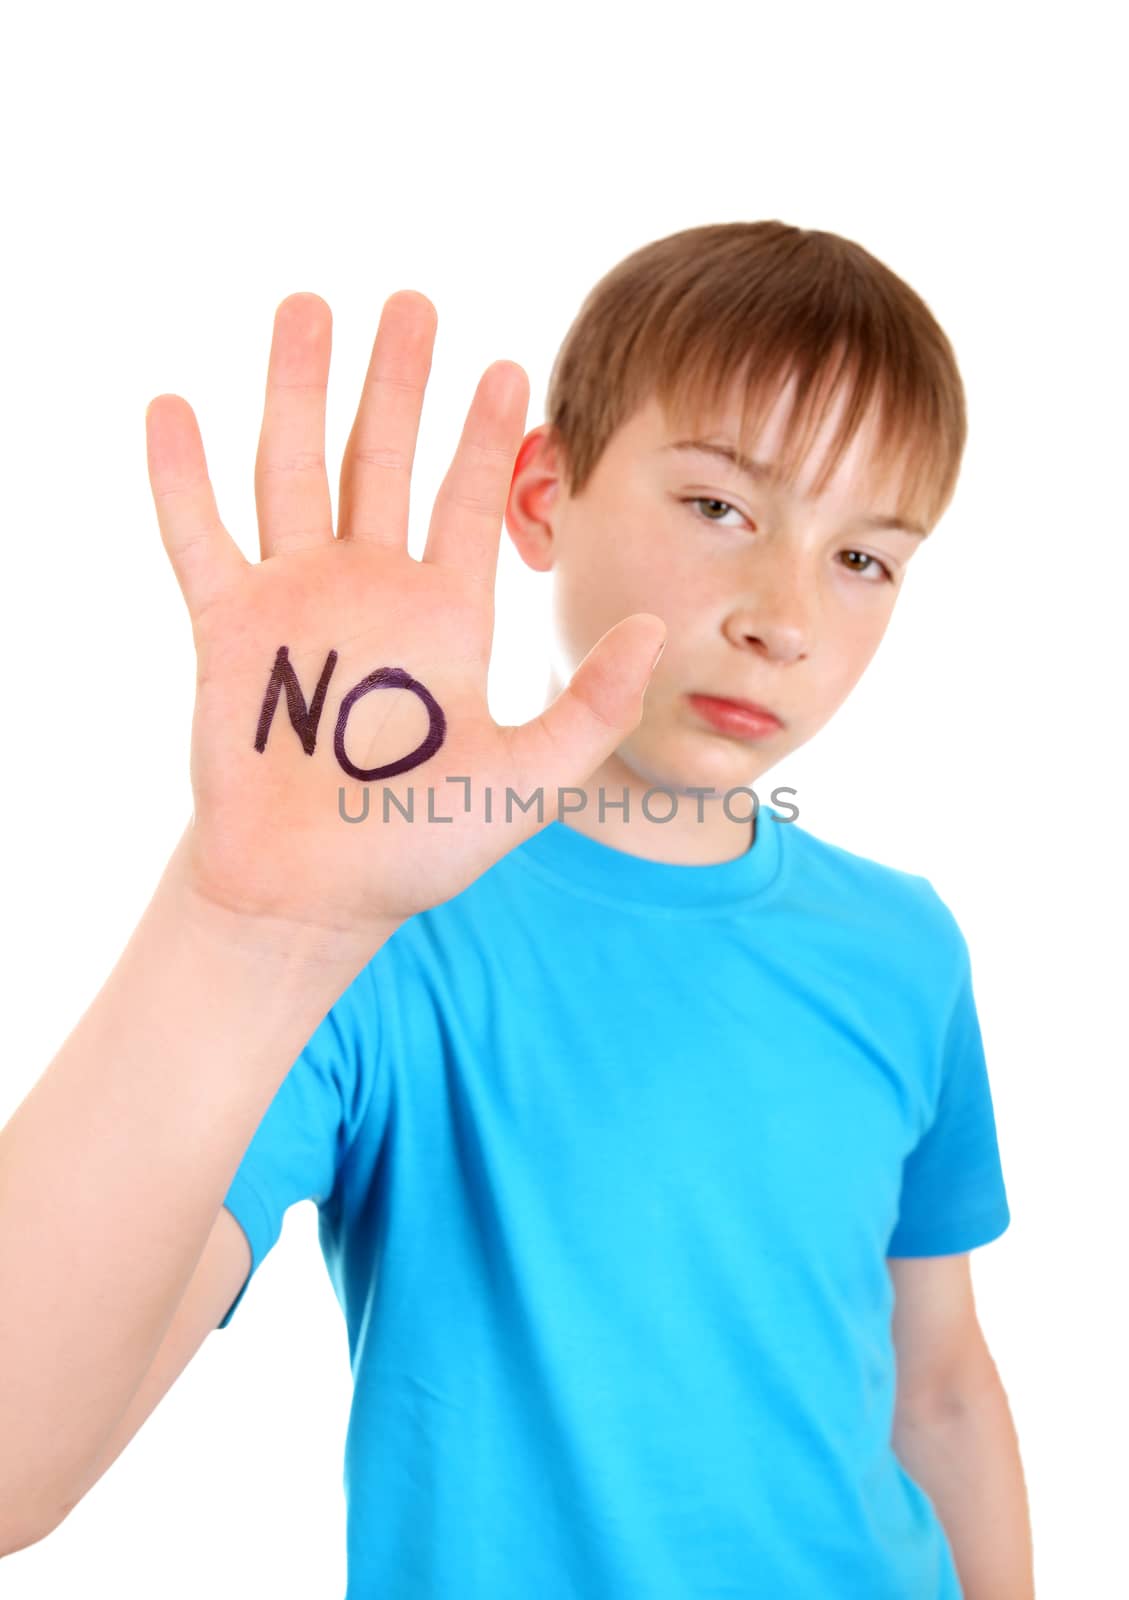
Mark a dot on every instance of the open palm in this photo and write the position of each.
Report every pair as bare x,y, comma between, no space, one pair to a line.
338,667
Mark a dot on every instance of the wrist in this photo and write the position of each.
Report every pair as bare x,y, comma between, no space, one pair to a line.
292,942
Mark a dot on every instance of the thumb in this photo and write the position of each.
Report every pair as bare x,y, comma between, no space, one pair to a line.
601,705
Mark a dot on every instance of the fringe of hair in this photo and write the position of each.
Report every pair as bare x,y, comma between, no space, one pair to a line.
690,316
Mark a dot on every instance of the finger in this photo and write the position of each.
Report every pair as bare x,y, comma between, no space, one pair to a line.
291,488
376,471
466,522
204,556
601,705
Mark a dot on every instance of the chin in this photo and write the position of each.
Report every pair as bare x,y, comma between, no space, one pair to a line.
680,761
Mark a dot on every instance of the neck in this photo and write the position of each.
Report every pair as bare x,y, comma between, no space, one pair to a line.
699,833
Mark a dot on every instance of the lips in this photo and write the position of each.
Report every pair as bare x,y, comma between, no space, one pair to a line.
750,706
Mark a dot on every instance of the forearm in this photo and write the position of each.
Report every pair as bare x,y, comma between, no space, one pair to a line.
114,1167
966,1457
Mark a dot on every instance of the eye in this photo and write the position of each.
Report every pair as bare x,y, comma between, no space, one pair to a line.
876,566
703,500
874,571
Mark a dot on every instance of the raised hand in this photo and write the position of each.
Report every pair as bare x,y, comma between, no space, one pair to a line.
339,662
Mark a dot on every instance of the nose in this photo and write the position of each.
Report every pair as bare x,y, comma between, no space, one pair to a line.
774,617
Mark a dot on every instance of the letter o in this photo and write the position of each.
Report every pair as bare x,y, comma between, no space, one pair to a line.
390,678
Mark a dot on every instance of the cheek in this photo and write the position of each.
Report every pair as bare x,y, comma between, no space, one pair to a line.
863,634
630,572
847,656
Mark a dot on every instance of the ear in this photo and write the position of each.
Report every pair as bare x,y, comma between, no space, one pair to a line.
536,489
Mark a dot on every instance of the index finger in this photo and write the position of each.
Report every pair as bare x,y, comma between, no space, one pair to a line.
466,523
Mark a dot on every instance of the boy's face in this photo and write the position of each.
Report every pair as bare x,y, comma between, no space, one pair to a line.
768,595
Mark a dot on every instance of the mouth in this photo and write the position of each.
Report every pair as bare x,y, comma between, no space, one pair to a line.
741,717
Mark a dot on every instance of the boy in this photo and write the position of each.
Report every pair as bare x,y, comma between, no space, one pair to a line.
648,1153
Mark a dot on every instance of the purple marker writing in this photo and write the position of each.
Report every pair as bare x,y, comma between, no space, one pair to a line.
305,719
390,678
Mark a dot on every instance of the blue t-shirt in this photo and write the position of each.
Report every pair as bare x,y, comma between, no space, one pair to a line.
608,1155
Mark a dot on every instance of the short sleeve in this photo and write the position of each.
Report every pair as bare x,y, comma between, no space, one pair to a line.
300,1145
952,1195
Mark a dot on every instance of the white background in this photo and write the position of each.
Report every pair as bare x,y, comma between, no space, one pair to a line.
170,174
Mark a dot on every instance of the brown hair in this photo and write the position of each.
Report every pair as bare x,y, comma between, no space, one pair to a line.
686,317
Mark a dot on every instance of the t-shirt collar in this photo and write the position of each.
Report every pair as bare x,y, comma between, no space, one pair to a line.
599,870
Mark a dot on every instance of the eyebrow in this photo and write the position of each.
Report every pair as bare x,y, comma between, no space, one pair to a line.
764,472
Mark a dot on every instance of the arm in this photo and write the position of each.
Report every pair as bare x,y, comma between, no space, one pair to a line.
953,1430
115,1166
220,1274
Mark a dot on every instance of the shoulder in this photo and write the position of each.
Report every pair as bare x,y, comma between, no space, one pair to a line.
897,907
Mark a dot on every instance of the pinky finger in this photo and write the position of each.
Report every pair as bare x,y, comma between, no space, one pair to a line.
204,556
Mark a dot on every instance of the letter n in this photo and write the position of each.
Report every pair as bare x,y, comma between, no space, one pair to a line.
304,719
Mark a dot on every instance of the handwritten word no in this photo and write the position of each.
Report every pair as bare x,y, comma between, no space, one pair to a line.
304,718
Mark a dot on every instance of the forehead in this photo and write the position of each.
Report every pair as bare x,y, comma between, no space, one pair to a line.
713,437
